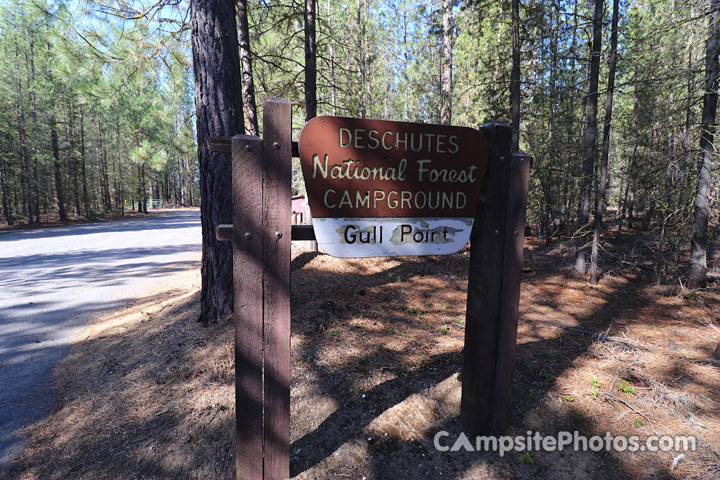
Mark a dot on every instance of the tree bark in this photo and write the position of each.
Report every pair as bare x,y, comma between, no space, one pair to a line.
143,190
248,82
86,199
102,155
333,86
605,155
515,77
447,64
628,196
704,184
590,138
59,194
33,119
7,212
72,163
310,61
688,108
22,142
219,112
120,193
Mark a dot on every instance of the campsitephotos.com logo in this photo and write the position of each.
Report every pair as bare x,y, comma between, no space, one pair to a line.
535,441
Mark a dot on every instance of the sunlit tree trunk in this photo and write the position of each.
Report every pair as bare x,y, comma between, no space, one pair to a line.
704,184
86,199
590,138
7,212
219,112
55,146
515,77
248,82
30,59
447,64
605,155
310,61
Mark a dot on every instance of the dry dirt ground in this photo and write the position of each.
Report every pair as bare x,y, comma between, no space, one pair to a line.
376,352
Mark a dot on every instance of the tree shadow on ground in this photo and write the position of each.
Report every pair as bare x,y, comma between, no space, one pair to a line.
374,352
545,353
150,397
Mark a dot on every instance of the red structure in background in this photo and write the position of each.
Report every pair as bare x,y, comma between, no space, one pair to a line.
299,210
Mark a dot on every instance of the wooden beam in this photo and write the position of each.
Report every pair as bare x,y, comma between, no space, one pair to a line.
510,293
248,290
224,232
276,219
222,145
487,248
303,232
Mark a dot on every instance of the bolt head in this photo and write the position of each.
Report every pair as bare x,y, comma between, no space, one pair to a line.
247,235
248,148
278,235
276,145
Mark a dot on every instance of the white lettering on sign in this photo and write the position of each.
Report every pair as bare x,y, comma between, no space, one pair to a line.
402,141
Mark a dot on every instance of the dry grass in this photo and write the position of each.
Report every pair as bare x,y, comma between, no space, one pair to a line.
376,351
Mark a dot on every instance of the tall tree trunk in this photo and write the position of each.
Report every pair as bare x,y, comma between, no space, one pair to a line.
704,184
59,194
55,144
310,61
565,213
590,138
688,109
331,42
515,77
119,188
102,156
190,182
248,82
72,163
7,211
629,188
22,141
179,188
34,123
447,64
361,27
605,156
143,190
83,159
138,190
219,113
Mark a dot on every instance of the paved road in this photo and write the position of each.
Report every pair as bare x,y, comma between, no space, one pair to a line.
53,280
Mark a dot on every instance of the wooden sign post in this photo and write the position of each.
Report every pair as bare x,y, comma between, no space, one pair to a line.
496,249
495,193
261,262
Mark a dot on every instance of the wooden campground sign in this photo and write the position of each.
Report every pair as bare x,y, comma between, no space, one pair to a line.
379,188
375,188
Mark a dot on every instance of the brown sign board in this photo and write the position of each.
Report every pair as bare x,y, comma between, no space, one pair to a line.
371,175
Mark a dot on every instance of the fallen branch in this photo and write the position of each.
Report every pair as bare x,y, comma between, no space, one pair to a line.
634,410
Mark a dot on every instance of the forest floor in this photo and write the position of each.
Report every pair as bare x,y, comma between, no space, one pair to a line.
376,351
54,221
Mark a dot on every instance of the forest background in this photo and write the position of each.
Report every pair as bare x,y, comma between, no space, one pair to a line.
98,102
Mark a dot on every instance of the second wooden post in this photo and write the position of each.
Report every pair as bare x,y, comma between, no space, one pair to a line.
261,257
